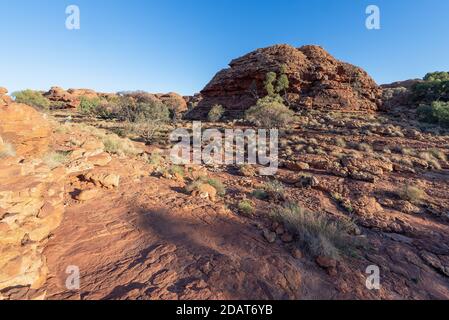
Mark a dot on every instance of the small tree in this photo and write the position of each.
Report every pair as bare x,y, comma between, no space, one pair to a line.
269,83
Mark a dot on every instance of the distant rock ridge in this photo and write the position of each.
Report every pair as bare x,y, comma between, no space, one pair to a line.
317,80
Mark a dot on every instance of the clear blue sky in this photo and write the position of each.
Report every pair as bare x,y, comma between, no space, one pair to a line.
178,45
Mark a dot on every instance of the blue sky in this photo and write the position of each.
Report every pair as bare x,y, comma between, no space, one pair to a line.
178,45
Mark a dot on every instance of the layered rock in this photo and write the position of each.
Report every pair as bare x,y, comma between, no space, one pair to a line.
317,80
31,207
26,128
31,198
4,98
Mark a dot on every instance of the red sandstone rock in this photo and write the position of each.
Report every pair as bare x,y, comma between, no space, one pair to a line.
317,80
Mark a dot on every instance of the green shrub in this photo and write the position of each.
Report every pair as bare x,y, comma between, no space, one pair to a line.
32,98
246,207
270,112
260,194
316,232
218,185
89,105
437,112
216,113
435,87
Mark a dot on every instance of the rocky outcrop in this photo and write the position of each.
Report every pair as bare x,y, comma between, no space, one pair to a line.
4,98
317,80
59,95
31,198
26,128
31,207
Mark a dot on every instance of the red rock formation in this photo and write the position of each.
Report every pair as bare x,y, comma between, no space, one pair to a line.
26,128
317,80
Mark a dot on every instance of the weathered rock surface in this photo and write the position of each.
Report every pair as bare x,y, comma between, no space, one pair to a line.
25,128
317,80
4,98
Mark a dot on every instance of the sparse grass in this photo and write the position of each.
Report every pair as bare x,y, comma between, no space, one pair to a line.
176,170
7,150
275,190
55,159
316,232
411,193
218,185
246,207
113,144
155,159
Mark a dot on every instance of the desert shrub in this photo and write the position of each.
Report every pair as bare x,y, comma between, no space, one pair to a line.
7,150
89,105
54,159
275,190
316,232
218,185
32,98
270,112
216,113
176,170
113,144
246,207
260,194
155,159
411,193
437,112
156,112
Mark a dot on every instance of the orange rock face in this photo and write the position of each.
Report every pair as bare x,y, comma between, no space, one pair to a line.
25,128
317,80
4,99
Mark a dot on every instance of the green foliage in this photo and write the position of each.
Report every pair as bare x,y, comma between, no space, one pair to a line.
269,80
437,112
270,112
216,113
218,185
260,194
246,207
32,98
434,88
437,76
275,85
282,83
89,105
